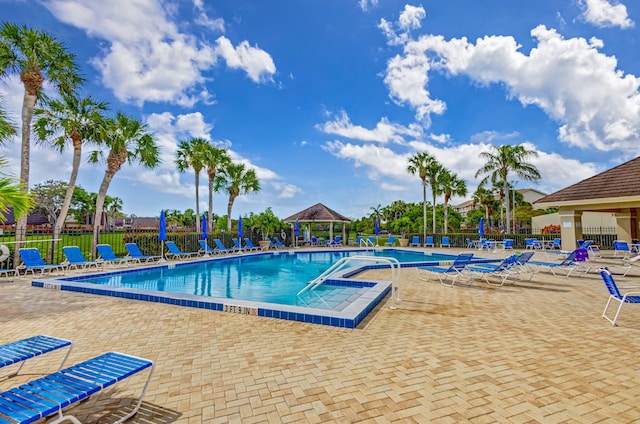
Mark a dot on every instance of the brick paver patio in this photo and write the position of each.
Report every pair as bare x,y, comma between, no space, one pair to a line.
533,352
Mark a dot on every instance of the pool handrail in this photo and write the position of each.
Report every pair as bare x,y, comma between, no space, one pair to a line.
393,263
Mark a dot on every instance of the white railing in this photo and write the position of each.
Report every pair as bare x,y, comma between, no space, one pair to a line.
393,263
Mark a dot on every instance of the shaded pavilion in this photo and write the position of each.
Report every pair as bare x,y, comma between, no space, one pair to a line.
319,214
616,191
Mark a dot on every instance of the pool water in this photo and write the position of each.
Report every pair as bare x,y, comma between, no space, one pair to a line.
271,278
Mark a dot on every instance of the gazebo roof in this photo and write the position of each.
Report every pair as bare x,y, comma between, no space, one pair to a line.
317,213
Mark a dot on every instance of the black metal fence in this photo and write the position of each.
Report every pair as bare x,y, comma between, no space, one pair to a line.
146,239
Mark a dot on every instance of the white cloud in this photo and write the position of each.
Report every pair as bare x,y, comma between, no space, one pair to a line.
204,20
411,17
388,167
553,77
255,62
364,4
147,58
286,191
384,131
603,13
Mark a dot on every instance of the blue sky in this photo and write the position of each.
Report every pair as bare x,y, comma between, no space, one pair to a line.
327,99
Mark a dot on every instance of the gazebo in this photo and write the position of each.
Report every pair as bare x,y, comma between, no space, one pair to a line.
319,213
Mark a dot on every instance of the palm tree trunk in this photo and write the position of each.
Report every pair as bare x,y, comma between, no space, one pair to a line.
434,211
64,210
28,105
102,194
424,211
210,216
232,199
446,217
197,201
508,223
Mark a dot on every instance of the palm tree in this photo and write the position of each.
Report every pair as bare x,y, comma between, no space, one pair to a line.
191,154
235,179
128,140
12,195
113,207
6,128
427,167
35,56
450,184
70,118
215,159
484,197
506,159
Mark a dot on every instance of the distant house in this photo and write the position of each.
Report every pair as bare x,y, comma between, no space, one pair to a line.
529,195
34,220
137,222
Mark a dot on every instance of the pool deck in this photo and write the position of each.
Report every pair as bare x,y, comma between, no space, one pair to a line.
533,352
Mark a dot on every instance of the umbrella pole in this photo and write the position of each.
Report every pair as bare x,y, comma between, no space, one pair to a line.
162,259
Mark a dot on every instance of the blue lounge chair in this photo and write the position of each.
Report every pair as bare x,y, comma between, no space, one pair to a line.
221,248
501,271
615,294
445,242
76,259
249,245
590,247
237,245
52,394
175,252
568,264
205,249
455,270
336,242
32,261
391,241
136,254
20,351
279,244
429,242
621,247
415,241
507,244
532,244
106,254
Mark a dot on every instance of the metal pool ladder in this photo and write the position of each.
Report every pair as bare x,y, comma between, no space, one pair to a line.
393,263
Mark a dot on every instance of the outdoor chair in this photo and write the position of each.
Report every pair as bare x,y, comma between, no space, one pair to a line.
445,242
390,241
20,351
75,258
205,249
502,271
175,252
279,244
32,261
616,295
221,247
54,393
455,270
429,242
135,253
249,245
106,254
621,247
415,241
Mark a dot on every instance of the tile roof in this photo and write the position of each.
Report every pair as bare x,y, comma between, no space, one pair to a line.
620,181
318,213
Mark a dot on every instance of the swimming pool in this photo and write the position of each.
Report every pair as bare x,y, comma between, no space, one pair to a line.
262,284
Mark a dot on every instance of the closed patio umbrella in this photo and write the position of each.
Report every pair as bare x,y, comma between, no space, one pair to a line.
162,234
240,234
297,231
481,228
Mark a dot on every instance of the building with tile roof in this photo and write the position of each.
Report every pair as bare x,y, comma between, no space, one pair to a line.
616,191
319,213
